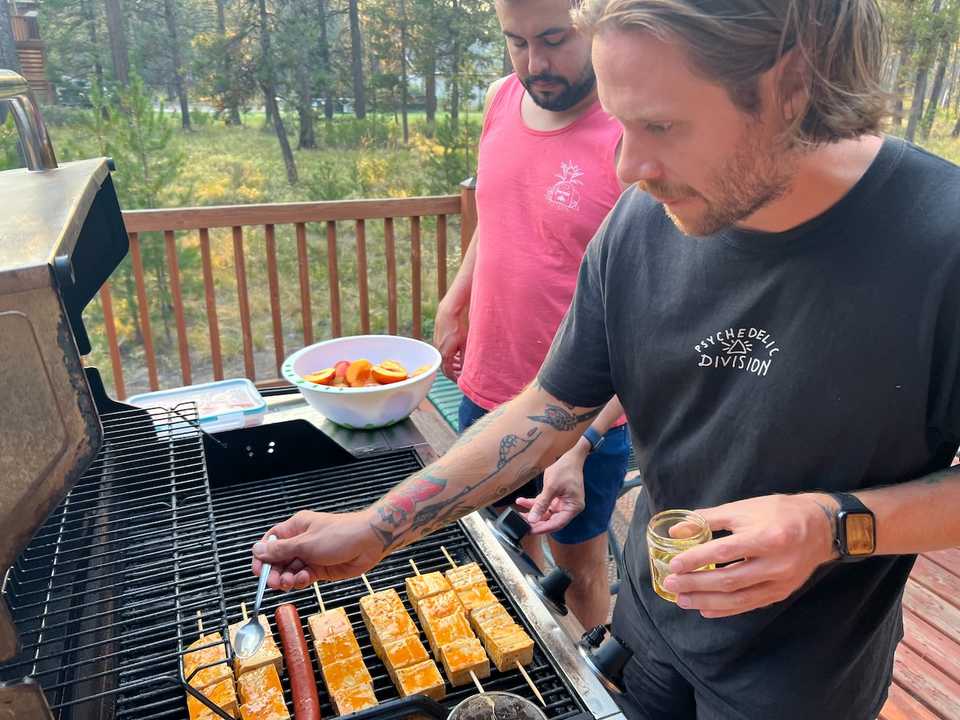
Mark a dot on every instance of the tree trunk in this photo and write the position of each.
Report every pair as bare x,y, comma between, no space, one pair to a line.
356,61
404,90
270,95
903,65
325,60
455,88
8,45
928,49
307,139
117,30
956,129
430,87
229,97
86,7
935,94
170,16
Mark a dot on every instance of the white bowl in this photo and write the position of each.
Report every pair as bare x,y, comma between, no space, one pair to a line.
364,407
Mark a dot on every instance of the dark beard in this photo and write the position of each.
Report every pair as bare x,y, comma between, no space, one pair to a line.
568,97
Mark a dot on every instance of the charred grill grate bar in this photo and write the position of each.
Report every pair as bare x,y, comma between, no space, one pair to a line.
105,597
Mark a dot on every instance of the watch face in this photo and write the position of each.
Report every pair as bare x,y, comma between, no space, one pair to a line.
859,533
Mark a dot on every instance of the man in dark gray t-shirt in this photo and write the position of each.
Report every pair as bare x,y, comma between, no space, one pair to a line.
777,304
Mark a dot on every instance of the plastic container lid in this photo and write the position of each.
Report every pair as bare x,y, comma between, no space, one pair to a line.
221,405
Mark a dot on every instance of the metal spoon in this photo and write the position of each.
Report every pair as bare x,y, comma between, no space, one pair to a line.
249,638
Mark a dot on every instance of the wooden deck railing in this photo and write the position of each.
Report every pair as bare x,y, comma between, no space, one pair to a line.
287,230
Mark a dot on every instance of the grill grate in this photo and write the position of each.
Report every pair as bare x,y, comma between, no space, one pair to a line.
106,595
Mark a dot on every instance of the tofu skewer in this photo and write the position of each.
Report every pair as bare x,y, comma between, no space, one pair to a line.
348,681
396,640
214,682
452,641
506,642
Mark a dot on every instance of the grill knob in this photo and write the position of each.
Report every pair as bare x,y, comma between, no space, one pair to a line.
552,588
606,657
512,526
594,637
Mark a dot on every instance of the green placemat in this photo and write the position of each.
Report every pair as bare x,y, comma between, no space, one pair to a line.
445,396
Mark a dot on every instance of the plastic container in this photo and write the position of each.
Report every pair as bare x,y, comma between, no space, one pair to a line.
221,405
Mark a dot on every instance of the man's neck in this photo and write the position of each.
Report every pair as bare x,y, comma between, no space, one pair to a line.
536,118
823,177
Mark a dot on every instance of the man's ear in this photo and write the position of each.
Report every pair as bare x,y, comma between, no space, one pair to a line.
791,78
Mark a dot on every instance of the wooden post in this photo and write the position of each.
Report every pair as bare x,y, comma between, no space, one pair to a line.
468,213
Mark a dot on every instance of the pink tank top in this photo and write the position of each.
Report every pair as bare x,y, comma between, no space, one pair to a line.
540,198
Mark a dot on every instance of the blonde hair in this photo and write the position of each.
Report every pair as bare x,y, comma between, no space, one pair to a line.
837,46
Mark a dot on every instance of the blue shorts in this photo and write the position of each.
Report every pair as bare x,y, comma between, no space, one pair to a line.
603,474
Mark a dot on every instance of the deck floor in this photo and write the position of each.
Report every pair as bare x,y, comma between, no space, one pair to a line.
926,680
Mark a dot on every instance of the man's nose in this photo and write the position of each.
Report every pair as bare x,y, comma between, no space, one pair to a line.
637,162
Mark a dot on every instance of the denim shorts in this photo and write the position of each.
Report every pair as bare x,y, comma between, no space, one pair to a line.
603,474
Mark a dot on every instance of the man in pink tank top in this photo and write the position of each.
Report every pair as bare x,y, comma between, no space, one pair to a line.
545,181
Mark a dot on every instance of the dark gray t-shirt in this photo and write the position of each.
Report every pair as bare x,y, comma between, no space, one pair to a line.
826,358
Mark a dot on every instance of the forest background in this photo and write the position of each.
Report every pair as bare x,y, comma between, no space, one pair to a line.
213,102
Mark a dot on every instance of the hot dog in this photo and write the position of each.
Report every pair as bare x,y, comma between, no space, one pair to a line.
303,684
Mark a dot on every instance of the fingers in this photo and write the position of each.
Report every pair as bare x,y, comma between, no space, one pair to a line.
553,522
716,605
278,552
722,550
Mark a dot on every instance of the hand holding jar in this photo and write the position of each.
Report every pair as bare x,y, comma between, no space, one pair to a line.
775,544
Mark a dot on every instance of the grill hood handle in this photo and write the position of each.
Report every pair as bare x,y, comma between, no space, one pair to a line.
34,139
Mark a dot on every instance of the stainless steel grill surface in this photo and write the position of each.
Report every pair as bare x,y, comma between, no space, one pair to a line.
106,596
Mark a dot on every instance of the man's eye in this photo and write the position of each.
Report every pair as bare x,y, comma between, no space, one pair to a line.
555,43
519,43
658,128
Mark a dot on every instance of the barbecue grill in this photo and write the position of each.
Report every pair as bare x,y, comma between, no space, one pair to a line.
123,527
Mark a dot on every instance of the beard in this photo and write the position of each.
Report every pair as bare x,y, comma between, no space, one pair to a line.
571,94
759,172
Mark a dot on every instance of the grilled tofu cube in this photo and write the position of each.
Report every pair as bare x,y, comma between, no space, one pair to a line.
508,646
463,656
390,628
444,630
401,653
261,695
353,699
476,597
328,624
423,678
259,682
437,606
194,659
267,654
337,647
386,619
345,673
221,693
423,586
466,576
489,618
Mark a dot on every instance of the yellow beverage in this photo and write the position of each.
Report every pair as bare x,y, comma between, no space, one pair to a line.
670,533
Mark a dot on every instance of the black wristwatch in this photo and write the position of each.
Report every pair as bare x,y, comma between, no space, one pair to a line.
855,530
593,437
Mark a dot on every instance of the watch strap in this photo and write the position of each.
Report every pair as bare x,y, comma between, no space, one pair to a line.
593,437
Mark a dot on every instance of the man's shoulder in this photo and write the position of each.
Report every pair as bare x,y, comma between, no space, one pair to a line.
925,188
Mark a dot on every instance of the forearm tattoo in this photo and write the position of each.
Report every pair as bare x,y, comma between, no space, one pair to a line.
421,504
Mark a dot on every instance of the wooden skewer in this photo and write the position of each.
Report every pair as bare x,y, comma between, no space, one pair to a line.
316,590
200,622
367,583
243,610
530,683
414,566
447,556
476,682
